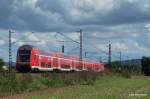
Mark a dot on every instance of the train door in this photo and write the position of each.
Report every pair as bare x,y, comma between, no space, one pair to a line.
42,62
85,66
72,64
55,63
49,63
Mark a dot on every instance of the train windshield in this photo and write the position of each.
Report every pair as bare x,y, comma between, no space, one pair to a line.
24,55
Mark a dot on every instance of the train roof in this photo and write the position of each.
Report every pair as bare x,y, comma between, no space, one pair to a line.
56,54
46,52
26,47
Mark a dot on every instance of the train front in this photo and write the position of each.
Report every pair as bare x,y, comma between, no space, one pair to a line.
23,58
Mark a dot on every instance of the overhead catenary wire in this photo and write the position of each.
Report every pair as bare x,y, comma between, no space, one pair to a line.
68,37
79,43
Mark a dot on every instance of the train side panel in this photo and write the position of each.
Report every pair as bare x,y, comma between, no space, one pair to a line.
65,64
29,58
34,59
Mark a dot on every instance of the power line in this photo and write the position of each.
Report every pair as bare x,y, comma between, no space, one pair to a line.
71,50
98,49
67,37
80,31
12,43
81,45
19,40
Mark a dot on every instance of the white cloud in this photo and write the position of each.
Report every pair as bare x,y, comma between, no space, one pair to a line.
143,5
119,46
28,3
81,10
13,40
102,47
32,37
95,17
147,26
75,36
134,35
2,42
42,43
103,35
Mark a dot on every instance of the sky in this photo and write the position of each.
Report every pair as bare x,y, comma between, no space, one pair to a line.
123,23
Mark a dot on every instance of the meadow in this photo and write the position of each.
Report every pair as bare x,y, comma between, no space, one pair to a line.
105,87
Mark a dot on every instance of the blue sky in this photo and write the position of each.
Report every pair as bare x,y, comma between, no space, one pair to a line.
124,23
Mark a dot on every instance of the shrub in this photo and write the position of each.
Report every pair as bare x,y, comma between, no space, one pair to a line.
11,83
1,63
146,65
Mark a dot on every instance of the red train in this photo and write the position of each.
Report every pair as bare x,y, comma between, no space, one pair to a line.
30,58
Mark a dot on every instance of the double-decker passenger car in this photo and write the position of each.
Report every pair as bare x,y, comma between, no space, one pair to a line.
30,58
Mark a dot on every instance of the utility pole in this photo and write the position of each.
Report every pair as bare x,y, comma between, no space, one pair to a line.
80,31
109,55
80,45
10,47
120,58
10,54
128,60
85,54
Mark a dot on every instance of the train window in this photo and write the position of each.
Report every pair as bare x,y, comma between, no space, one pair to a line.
46,64
24,51
65,66
49,64
35,57
55,59
24,55
42,64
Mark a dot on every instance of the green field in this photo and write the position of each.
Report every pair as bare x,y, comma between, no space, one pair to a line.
106,87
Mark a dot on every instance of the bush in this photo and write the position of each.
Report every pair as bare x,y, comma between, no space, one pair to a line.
1,63
10,83
146,65
125,70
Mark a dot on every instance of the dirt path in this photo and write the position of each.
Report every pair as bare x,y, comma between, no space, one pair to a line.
39,93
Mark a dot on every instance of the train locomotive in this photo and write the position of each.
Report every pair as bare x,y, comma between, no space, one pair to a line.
29,58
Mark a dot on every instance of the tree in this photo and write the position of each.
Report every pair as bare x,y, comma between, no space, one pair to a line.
1,63
146,65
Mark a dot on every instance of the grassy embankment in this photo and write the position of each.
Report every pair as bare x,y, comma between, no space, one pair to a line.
11,84
105,87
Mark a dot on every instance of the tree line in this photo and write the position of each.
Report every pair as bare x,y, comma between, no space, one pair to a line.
131,69
2,63
117,67
146,65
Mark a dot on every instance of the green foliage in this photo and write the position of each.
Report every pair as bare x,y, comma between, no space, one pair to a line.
8,84
65,79
124,70
105,87
11,83
1,63
146,65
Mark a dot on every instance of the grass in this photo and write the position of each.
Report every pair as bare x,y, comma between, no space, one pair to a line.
105,87
11,83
